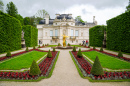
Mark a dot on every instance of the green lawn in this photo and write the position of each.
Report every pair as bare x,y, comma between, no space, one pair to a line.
52,46
77,45
21,61
108,61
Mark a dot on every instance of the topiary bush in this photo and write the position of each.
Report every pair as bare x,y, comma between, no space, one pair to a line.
49,55
34,69
43,45
101,49
54,50
97,68
8,54
39,46
68,44
120,54
74,49
79,54
59,44
94,47
89,46
27,49
79,43
34,47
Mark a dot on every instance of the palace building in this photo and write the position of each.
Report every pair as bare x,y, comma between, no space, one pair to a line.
50,31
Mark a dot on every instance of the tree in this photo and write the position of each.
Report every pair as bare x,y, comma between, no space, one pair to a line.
11,9
74,49
20,18
97,68
78,18
41,13
8,54
54,50
79,54
26,21
120,54
128,7
34,69
49,54
1,5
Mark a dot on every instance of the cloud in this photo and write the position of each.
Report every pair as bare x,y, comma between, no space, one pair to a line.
90,8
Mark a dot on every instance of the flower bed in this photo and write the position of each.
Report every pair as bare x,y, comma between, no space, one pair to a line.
85,68
45,67
16,54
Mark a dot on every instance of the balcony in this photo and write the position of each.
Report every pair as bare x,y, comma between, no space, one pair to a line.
55,37
72,37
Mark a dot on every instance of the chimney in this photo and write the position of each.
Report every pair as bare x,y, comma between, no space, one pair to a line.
47,19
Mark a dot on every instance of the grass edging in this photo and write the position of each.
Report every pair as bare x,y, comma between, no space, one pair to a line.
80,73
40,78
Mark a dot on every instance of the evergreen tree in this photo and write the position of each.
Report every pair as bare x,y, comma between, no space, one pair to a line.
11,9
34,69
26,21
1,6
49,54
120,54
74,49
8,54
54,50
128,7
20,18
101,49
27,49
79,54
97,68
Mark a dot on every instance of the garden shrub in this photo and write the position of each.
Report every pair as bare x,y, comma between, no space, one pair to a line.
101,49
59,44
97,68
120,54
118,33
34,47
79,43
10,33
30,35
49,55
39,46
94,47
8,54
68,44
54,50
74,49
79,54
27,49
96,35
34,69
43,45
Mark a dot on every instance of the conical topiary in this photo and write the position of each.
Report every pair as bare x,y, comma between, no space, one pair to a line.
54,50
79,54
120,54
59,44
49,54
43,45
8,54
34,47
94,47
97,68
74,49
27,49
34,69
101,49
39,46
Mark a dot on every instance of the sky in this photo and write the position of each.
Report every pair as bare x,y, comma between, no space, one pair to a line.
103,10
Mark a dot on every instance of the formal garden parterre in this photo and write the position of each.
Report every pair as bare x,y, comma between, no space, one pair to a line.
46,67
84,68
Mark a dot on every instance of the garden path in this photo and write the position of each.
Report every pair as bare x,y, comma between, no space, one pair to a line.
64,74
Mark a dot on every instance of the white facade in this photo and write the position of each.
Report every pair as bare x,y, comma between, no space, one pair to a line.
51,31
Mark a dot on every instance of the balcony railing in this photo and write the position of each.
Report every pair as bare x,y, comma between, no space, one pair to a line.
55,37
73,37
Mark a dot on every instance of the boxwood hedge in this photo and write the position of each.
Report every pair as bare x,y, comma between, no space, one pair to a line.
30,35
10,33
118,33
96,35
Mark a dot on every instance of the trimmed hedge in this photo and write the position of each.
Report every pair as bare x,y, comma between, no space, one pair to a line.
96,35
30,35
118,33
10,33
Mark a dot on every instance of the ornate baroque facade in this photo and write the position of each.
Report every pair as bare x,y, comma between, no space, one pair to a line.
50,31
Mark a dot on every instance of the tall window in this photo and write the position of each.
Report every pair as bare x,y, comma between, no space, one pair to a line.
56,32
51,32
76,33
72,32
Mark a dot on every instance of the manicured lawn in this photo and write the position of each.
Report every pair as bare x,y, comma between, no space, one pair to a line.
21,61
52,46
77,45
108,61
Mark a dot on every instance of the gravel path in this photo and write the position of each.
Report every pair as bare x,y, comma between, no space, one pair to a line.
64,74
